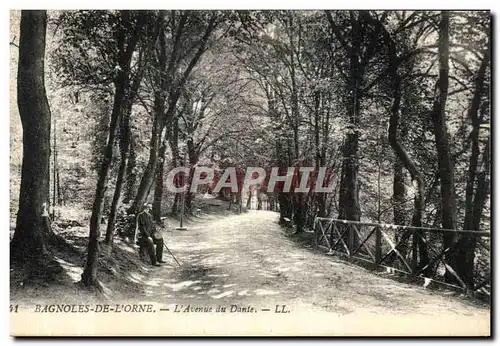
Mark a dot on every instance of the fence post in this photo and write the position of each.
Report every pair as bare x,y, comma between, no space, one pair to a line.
414,254
378,246
351,240
331,227
315,228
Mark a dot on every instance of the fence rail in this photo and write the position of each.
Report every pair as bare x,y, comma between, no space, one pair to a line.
416,251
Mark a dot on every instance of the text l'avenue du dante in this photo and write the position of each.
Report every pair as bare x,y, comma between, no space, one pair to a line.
150,308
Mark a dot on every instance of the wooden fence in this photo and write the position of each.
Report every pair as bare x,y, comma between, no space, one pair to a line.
400,248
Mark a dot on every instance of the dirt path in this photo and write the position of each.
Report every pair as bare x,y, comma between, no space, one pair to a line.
247,260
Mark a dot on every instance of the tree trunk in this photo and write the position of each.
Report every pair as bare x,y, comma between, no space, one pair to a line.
54,172
124,148
89,275
476,122
131,175
134,89
299,214
231,201
480,198
445,165
348,199
482,190
320,198
249,199
158,193
125,136
349,196
272,203
189,202
398,193
403,160
28,243
149,173
59,194
285,207
465,255
193,160
163,78
399,188
173,140
240,201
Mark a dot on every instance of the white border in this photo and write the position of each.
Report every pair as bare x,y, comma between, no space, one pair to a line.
254,4
181,4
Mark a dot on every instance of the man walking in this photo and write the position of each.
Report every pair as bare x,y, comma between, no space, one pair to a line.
149,236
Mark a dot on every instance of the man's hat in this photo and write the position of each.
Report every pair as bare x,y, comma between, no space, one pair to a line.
146,205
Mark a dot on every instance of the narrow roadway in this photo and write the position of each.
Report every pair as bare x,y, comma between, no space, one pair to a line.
248,260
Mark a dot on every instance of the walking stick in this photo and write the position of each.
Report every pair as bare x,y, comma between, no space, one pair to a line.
170,252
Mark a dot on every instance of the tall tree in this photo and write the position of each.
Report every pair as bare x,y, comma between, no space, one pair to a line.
127,38
170,80
353,45
474,201
445,164
131,91
28,243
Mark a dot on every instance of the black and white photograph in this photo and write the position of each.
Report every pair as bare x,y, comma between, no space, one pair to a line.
189,172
